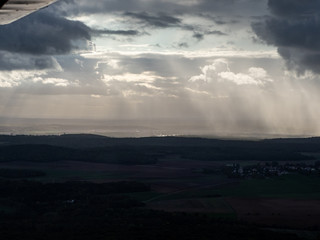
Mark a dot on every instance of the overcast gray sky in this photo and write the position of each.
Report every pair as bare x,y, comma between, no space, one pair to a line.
234,65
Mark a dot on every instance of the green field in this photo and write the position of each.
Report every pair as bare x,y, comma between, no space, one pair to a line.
287,186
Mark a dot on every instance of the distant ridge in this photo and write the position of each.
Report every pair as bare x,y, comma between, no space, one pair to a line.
92,140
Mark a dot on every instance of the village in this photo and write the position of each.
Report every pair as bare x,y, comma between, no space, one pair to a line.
265,170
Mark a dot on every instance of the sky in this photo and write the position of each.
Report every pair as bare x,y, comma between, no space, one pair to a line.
228,66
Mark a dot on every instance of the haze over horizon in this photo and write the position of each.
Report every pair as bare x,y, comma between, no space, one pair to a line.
215,67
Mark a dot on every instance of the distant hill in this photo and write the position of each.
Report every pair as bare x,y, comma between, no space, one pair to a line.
95,148
91,140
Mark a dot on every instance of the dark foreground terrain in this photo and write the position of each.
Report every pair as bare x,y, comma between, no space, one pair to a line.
93,187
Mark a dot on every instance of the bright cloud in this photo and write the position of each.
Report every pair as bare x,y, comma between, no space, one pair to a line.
145,77
58,82
220,72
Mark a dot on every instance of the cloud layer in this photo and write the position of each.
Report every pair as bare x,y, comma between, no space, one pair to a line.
172,59
294,28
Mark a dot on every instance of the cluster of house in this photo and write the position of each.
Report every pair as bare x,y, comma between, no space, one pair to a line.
269,169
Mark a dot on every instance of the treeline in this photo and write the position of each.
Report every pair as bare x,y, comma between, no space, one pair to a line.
235,153
46,153
139,155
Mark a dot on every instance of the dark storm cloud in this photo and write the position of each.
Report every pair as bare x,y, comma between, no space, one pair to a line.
295,29
293,8
182,45
41,33
116,32
218,33
160,14
45,33
10,61
160,20
201,36
79,7
221,12
219,20
198,36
